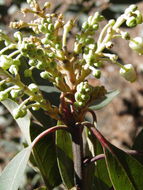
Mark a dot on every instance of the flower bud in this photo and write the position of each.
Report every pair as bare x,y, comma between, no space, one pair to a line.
51,27
139,17
68,26
96,73
111,22
18,36
125,35
32,63
77,47
131,8
27,73
36,107
90,20
131,21
92,46
40,65
16,62
57,24
5,62
97,17
85,97
95,26
86,87
137,44
44,75
58,46
3,95
13,69
47,5
18,113
60,54
113,57
43,28
109,45
33,87
51,55
89,40
78,96
89,57
98,64
85,25
79,87
45,41
79,104
128,73
15,93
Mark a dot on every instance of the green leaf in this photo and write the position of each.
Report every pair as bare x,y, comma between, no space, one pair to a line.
102,102
138,145
44,155
101,176
125,171
23,123
12,175
88,169
64,157
48,89
102,179
138,142
49,92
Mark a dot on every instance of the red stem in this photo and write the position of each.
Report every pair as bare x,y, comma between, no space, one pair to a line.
88,161
46,132
98,135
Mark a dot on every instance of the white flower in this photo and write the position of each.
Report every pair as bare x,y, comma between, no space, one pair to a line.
128,73
137,44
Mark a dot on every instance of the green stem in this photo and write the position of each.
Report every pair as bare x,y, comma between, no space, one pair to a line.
35,97
102,34
121,66
24,102
7,48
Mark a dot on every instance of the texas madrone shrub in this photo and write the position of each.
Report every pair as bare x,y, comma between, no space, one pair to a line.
62,144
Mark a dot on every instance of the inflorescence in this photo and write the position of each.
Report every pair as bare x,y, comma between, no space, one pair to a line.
46,50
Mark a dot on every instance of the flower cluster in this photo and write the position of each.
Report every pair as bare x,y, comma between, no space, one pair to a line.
82,95
46,50
133,16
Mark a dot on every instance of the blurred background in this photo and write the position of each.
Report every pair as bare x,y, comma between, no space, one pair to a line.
122,119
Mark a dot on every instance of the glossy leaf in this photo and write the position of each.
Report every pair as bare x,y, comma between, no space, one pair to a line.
44,157
12,175
138,145
89,169
48,89
102,102
23,123
101,176
64,157
138,142
51,93
125,171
